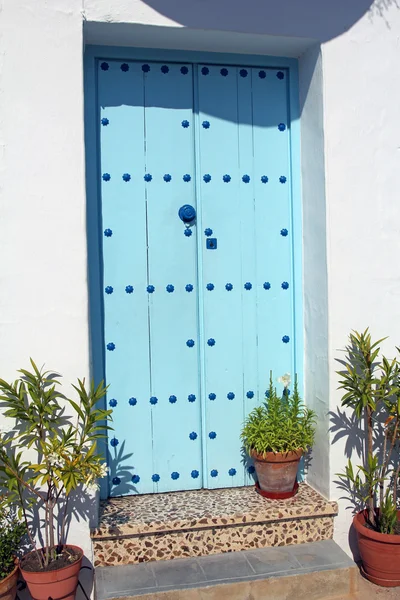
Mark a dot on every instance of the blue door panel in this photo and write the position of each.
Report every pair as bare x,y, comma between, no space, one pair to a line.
195,314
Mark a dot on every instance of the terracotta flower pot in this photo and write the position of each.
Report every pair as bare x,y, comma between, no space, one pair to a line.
8,586
276,471
380,553
59,584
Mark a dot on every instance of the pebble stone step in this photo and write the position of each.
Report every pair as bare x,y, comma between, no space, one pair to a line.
313,571
136,529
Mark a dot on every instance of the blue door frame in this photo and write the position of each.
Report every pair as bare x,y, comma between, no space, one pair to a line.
94,54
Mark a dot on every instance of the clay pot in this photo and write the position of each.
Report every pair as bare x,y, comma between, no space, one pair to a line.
277,471
58,584
380,553
8,586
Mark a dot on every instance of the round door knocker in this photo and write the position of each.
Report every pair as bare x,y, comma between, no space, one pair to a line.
187,214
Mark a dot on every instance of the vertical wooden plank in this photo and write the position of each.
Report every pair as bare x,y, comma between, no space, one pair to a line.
120,94
273,223
220,191
177,436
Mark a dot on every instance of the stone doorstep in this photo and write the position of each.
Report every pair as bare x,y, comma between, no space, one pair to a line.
206,522
313,571
202,509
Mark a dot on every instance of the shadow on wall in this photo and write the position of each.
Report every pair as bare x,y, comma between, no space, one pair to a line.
321,20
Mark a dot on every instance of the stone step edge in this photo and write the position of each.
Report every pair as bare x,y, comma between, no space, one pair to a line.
116,535
259,589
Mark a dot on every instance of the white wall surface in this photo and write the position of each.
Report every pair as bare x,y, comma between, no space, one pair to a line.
43,290
350,94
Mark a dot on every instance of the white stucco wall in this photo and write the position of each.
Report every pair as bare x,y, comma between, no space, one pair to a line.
350,92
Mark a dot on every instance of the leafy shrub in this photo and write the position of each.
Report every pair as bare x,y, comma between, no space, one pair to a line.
11,533
281,424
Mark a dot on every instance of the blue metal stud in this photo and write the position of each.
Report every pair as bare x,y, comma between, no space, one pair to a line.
153,400
250,394
189,287
206,124
155,477
224,72
212,435
185,124
170,288
193,435
172,399
190,343
211,342
282,179
106,176
188,232
184,70
145,68
264,179
267,394
205,70
246,178
124,67
108,232
267,285
167,177
132,401
247,285
135,479
126,177
148,177
214,473
284,232
164,69
175,475
116,481
284,285
285,339
251,469
109,289
207,178
226,178
105,121
150,289
191,397
232,472
104,66
129,289
186,178
281,126
229,287
210,287
113,403
111,346
208,232
230,396
243,72
262,74
194,474
114,442
212,396
280,75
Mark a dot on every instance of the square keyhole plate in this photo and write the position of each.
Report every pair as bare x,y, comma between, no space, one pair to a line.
211,243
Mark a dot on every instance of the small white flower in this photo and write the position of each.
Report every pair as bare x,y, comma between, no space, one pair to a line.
54,459
285,380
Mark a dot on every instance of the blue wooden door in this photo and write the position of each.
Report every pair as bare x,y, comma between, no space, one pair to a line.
196,313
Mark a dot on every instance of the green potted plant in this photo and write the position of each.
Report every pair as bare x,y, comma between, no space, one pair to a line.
11,534
372,390
61,457
275,435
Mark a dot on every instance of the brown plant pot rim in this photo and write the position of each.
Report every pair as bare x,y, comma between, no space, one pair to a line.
359,521
53,570
278,457
16,563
